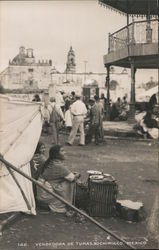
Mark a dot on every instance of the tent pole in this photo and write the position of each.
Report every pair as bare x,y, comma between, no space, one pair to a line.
67,203
9,220
21,190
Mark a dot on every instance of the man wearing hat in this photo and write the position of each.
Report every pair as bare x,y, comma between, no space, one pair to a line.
78,111
56,115
94,122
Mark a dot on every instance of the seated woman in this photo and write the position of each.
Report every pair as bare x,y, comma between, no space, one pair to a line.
124,110
38,160
59,179
37,164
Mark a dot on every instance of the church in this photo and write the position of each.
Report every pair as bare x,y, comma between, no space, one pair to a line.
23,72
27,74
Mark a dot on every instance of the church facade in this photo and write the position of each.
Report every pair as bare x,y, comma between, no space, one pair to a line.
24,72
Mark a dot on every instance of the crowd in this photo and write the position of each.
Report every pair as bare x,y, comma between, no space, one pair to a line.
120,109
75,116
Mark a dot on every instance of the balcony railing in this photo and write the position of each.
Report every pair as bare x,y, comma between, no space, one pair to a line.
137,32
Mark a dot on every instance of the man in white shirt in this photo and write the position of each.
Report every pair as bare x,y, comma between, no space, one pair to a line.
78,111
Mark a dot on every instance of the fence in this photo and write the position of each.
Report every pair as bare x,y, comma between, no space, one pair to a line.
134,33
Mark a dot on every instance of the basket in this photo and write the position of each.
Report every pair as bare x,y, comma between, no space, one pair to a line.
102,197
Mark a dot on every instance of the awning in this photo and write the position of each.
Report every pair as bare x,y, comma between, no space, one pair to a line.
133,7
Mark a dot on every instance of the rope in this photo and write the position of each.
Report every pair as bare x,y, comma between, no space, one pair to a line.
67,203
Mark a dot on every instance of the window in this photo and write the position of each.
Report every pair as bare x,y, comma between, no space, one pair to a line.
30,70
31,83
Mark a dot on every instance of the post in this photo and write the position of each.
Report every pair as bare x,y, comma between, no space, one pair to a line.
158,50
128,35
148,32
132,36
148,26
107,84
131,118
85,62
109,43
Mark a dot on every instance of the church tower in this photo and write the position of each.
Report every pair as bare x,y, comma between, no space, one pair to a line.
70,65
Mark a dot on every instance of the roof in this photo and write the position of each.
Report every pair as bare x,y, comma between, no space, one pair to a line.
133,7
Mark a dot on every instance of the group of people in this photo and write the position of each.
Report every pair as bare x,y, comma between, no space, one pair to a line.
148,121
120,109
75,117
56,177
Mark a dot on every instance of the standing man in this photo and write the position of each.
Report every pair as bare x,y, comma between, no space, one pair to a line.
56,116
101,116
94,122
78,111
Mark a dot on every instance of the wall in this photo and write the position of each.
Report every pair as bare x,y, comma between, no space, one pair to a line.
15,77
78,80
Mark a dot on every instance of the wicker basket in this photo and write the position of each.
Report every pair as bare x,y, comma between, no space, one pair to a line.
102,198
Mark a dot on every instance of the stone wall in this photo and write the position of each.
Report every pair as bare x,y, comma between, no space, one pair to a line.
31,77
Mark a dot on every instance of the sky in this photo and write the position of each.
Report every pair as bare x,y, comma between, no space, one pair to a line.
51,27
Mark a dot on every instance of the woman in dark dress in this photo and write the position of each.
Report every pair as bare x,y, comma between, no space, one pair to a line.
59,179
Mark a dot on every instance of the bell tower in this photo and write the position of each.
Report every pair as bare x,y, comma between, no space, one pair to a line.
70,65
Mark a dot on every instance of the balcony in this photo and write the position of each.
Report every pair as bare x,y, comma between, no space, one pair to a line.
138,40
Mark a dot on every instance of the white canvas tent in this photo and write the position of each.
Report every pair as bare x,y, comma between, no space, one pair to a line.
20,129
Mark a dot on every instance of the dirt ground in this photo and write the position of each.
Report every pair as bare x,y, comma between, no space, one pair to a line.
133,163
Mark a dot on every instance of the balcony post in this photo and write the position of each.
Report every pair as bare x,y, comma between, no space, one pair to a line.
131,118
158,50
132,36
148,30
109,43
107,84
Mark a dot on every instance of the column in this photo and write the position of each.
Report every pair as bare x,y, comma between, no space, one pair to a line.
148,26
132,94
148,30
107,84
